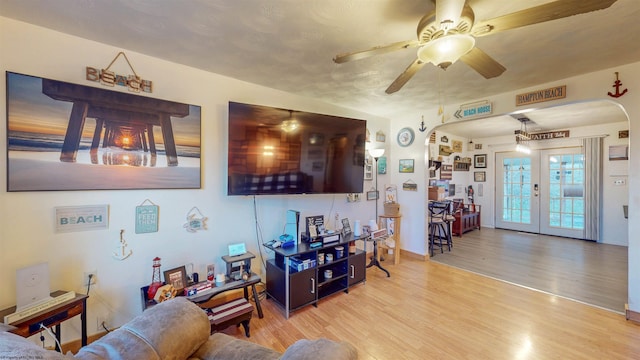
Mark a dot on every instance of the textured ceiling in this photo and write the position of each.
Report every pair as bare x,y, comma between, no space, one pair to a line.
289,44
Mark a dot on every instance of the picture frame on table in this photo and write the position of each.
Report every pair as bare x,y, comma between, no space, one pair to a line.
480,161
177,278
346,227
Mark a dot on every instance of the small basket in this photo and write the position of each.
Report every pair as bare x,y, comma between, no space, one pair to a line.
391,209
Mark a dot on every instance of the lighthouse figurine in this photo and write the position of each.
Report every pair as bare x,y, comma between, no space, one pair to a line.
155,279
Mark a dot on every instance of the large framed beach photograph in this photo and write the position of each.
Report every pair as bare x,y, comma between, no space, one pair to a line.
64,136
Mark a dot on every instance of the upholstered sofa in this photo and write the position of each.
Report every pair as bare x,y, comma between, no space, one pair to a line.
175,329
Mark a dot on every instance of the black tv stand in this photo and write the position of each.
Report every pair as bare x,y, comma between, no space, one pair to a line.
295,278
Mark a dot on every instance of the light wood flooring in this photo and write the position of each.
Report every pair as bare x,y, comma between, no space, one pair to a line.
427,310
581,270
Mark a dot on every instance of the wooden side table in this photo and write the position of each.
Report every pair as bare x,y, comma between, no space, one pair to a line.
52,316
382,223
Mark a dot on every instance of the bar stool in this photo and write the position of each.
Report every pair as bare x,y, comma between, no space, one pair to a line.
439,225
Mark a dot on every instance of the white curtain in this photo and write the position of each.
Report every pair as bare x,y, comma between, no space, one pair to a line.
592,148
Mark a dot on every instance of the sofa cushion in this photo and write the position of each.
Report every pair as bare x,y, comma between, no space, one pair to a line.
320,349
13,346
173,329
222,346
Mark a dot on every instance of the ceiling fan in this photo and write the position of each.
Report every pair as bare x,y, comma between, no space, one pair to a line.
448,34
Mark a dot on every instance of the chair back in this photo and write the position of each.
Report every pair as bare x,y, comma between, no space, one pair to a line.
439,209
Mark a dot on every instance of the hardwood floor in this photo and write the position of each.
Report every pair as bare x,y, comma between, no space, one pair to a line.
429,310
581,270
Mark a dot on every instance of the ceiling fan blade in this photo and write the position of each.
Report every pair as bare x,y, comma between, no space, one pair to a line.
484,64
538,14
341,58
406,75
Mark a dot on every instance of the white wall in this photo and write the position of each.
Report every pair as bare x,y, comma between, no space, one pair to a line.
27,218
592,86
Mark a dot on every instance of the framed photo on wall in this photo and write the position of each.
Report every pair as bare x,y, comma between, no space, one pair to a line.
120,141
406,166
480,161
480,176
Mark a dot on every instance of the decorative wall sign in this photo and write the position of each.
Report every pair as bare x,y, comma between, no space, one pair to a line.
382,165
89,138
108,78
82,218
432,138
373,195
456,145
557,134
446,172
479,176
445,150
147,217
468,111
380,136
195,220
391,193
409,185
623,134
444,139
553,93
478,146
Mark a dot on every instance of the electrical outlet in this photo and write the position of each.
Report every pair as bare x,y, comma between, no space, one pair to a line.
100,320
93,280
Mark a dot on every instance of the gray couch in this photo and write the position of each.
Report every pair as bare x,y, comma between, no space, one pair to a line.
175,329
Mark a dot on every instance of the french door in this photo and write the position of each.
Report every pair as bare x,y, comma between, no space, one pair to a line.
542,192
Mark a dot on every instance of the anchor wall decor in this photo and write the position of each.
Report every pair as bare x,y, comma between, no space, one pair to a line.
617,85
422,128
121,252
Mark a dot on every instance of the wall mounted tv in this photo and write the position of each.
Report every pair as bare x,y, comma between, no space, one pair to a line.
280,151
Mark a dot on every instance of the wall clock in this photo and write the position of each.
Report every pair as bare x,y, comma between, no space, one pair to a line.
405,136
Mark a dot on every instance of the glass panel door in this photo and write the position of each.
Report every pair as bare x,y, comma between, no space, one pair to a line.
517,201
563,211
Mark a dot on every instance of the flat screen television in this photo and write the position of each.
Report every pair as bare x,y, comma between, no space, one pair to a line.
275,151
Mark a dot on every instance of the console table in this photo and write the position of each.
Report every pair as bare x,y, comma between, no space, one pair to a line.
205,295
467,219
52,316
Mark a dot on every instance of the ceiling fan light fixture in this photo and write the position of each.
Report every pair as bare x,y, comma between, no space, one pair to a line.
446,50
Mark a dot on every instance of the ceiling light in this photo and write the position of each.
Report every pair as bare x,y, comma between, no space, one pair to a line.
523,137
446,50
290,124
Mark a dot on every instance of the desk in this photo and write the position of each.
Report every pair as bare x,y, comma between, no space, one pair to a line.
52,316
205,295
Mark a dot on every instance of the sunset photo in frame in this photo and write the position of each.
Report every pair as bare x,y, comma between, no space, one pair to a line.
89,138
